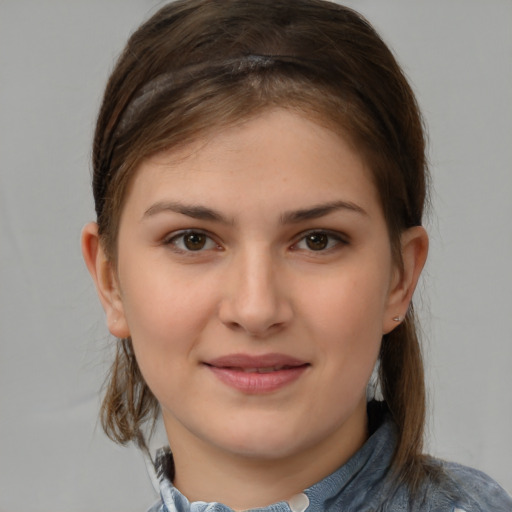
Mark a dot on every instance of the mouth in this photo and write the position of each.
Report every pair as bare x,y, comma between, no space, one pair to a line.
268,369
257,374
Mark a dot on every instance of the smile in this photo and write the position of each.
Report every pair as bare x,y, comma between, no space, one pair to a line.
257,375
263,370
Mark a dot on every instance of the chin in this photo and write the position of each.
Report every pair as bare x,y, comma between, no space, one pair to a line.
266,443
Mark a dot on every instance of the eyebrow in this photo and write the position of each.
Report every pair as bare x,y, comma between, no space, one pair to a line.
290,217
320,210
196,212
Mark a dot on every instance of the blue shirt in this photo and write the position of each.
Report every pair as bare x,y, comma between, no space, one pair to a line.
364,484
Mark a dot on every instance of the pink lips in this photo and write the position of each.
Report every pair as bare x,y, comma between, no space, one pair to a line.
257,374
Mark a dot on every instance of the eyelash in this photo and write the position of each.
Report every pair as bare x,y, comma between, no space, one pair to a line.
334,239
179,238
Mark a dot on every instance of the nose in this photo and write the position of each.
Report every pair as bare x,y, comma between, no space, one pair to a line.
255,297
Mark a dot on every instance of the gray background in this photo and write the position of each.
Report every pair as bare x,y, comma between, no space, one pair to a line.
55,56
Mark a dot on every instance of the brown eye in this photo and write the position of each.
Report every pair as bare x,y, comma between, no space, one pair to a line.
194,241
317,241
191,241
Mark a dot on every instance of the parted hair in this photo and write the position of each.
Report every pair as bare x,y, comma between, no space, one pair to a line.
197,66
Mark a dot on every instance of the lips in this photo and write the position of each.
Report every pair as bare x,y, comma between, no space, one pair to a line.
263,370
257,374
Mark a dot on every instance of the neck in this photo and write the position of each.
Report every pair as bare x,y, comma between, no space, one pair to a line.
203,473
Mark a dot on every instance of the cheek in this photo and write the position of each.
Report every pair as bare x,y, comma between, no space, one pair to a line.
165,310
352,303
166,323
344,316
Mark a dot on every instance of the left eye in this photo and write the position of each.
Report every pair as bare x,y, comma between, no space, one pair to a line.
192,241
318,241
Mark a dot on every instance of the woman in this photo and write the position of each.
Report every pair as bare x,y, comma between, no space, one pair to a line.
259,179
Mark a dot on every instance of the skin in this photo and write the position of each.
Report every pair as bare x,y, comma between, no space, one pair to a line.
256,288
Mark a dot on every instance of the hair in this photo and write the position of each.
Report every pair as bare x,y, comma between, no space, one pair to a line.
197,66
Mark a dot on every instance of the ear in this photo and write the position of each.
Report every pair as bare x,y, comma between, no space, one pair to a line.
104,277
414,247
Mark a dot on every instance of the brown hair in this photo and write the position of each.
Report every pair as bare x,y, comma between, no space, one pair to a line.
199,65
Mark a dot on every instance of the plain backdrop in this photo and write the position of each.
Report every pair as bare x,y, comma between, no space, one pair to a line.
55,56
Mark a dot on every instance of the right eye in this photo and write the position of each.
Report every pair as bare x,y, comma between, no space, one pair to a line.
191,241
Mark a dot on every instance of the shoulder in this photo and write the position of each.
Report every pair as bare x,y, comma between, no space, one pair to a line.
460,488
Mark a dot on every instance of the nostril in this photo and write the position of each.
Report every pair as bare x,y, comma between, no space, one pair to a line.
234,326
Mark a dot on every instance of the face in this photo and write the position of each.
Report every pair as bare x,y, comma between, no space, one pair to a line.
256,281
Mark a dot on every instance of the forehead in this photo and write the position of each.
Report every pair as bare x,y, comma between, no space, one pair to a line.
278,157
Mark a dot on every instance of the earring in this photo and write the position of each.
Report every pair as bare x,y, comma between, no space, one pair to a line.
397,318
